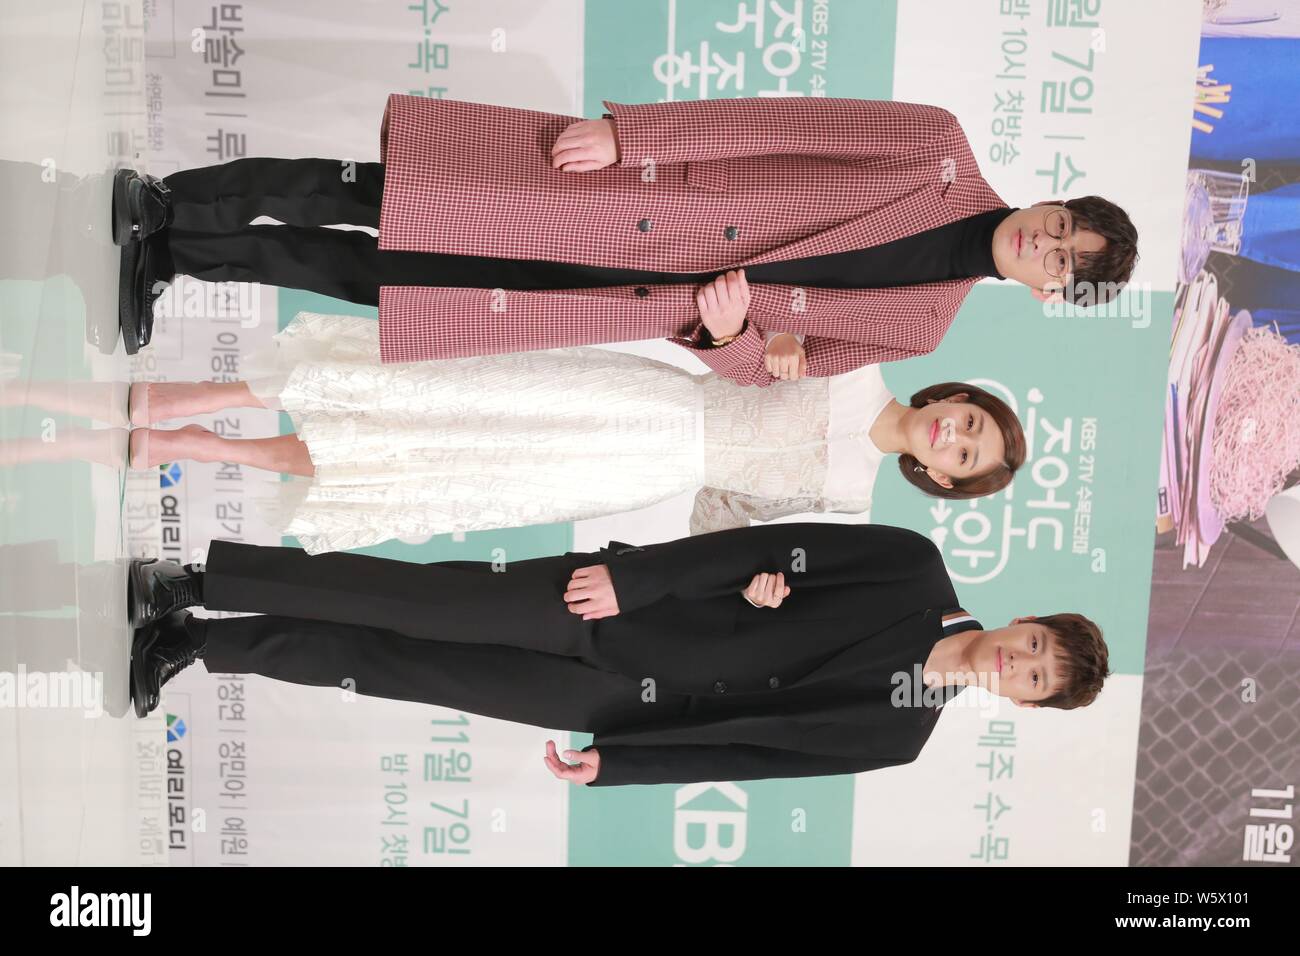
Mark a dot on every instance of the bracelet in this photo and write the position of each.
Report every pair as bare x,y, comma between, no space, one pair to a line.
724,340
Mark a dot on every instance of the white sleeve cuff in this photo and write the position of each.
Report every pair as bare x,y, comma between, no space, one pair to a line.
769,334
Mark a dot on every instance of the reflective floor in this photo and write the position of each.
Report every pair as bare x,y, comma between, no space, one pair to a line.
81,779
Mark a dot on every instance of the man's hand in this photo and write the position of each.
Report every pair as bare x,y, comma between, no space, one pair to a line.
591,593
723,303
784,357
590,144
584,771
767,590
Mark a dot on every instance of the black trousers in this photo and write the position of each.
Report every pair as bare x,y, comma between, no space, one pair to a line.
210,237
453,633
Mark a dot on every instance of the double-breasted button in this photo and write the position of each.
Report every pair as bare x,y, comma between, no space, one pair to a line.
731,232
774,682
642,291
645,225
719,688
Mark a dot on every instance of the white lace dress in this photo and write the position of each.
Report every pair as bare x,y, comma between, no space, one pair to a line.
526,438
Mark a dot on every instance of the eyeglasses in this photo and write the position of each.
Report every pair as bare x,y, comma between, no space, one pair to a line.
1059,224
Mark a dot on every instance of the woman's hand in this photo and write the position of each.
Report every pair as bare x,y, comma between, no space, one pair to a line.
584,146
767,590
784,358
584,771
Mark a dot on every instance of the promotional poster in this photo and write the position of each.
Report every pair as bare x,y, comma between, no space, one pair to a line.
652,433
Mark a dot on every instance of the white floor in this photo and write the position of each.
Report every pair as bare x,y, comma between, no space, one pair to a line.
82,781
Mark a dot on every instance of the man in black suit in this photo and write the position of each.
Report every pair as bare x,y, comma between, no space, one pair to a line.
784,650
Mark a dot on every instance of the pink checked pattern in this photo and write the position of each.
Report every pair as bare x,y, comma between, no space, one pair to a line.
795,176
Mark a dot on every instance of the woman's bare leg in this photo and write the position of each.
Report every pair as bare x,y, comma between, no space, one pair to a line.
151,447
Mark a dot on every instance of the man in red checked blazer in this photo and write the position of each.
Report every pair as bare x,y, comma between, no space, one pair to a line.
772,237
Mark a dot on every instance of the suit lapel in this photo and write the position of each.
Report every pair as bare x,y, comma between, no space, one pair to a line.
765,730
924,626
886,315
864,727
916,212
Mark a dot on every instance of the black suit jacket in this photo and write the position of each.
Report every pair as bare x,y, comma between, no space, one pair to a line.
805,689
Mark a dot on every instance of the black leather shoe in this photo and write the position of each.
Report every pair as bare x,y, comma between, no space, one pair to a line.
128,298
142,205
156,274
159,652
156,588
145,274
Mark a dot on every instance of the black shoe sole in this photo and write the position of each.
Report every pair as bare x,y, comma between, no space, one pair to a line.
141,695
137,589
134,317
146,279
124,225
128,305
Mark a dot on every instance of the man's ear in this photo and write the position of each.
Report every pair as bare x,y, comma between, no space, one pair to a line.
1047,295
1023,703
1024,619
939,478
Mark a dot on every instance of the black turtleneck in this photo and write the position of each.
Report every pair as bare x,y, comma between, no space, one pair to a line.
961,249
956,251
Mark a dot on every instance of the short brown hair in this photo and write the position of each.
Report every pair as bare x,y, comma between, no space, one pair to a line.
1013,440
1101,273
1083,659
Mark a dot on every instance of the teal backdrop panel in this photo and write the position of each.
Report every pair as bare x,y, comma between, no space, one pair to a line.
1075,530
707,49
655,50
796,822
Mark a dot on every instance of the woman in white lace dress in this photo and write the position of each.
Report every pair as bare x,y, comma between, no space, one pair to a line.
384,451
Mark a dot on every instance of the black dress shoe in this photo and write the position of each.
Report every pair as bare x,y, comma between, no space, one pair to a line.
145,273
128,298
156,588
142,205
156,274
159,652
